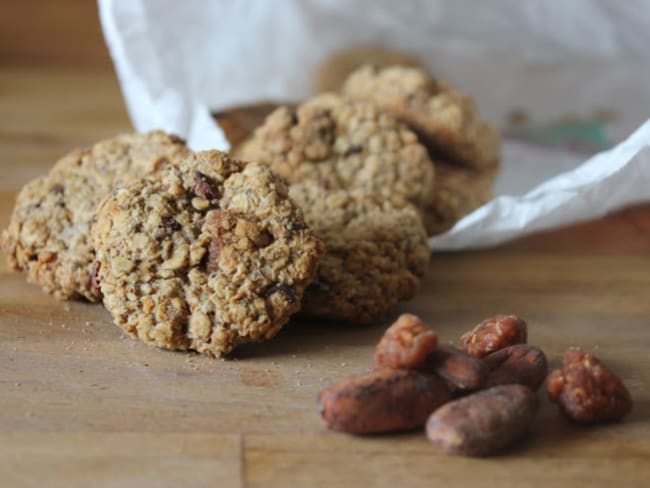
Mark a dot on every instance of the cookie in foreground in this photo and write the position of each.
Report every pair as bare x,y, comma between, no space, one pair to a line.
210,255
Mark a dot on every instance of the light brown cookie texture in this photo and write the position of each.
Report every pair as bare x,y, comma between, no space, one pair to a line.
458,192
344,144
331,74
445,118
376,254
210,255
48,233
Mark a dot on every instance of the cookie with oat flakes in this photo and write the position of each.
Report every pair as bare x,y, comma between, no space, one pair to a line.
344,144
445,118
457,190
375,253
48,233
210,255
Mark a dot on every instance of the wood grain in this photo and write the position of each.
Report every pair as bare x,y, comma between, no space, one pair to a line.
60,33
81,403
120,459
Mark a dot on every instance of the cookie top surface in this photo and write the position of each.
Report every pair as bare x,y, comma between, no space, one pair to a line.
446,118
210,255
344,144
48,233
376,254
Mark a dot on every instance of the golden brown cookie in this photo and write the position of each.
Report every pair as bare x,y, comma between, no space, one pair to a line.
375,253
343,144
445,118
208,256
457,190
48,234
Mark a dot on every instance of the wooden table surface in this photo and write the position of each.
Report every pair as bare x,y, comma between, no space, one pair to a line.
82,404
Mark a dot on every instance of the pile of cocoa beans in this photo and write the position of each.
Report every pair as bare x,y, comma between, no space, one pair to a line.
474,398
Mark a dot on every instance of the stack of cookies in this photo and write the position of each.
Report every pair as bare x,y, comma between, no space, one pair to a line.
463,149
391,147
203,251
188,251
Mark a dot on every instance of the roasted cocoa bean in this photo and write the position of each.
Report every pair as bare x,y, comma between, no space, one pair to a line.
484,422
383,400
460,371
521,364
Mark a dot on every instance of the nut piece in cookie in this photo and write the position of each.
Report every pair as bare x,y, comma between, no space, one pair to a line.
48,234
445,118
376,254
347,145
210,255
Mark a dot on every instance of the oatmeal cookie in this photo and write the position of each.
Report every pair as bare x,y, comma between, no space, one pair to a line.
375,253
210,255
344,145
48,234
331,74
445,118
458,192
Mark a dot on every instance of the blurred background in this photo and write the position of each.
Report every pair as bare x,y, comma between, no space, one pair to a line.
65,33
59,89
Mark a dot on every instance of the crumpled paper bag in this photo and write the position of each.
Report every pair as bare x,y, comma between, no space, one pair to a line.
178,61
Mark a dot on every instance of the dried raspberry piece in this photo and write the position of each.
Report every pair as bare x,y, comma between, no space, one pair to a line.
586,390
493,334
